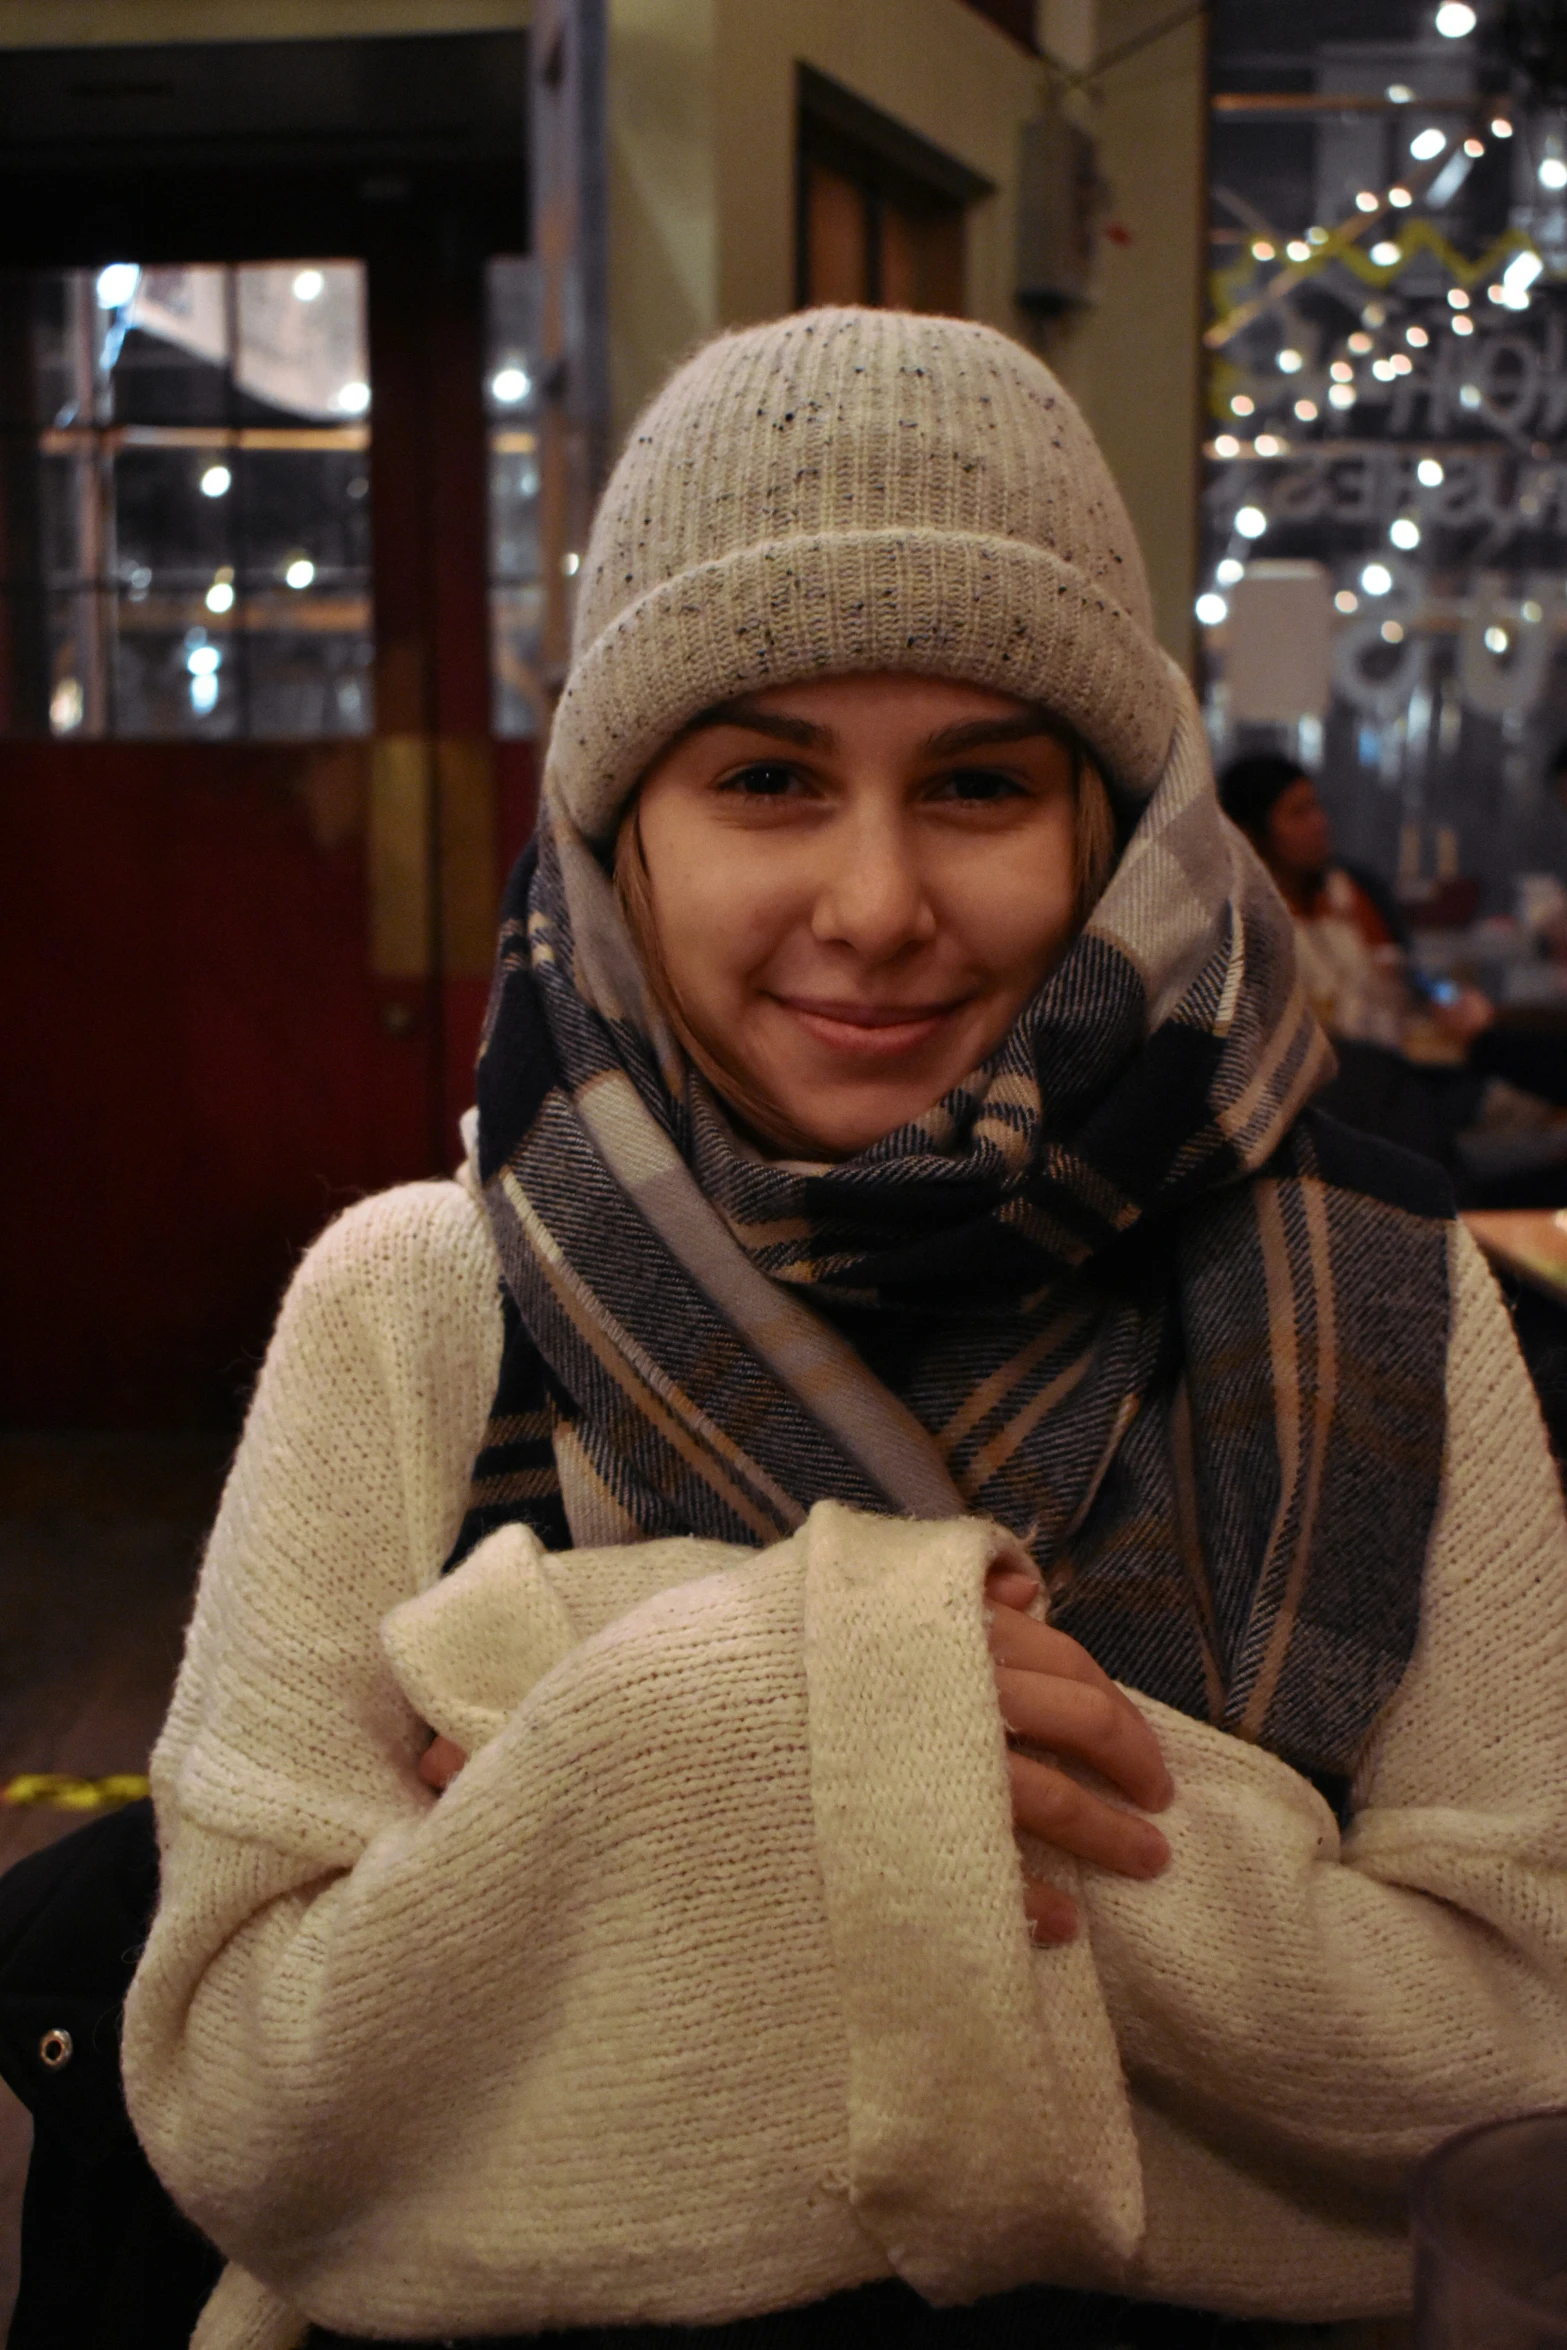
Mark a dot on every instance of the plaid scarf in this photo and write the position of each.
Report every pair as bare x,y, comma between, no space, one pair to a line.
1114,1291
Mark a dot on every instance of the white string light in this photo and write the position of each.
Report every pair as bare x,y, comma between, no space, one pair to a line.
1340,391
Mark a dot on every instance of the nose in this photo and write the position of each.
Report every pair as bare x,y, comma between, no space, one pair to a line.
871,893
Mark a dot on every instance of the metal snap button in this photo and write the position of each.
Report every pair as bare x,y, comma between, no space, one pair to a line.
54,2049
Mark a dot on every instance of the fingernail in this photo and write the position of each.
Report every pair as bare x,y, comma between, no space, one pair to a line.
1050,1938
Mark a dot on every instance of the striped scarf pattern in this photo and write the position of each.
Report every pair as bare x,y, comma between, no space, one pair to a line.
1119,1291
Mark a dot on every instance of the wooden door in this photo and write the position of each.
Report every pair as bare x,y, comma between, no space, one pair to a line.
243,976
243,971
880,213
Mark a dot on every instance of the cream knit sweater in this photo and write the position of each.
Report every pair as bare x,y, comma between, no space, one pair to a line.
705,1988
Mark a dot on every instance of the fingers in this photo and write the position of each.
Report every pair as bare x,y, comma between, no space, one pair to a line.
1016,1639
1093,1722
1049,1804
1053,1694
440,1763
1051,1914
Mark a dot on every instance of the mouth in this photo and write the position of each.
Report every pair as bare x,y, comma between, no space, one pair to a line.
869,1031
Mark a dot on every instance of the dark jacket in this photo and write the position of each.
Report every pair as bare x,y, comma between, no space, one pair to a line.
108,2263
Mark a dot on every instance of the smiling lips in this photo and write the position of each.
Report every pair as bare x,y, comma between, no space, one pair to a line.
873,1031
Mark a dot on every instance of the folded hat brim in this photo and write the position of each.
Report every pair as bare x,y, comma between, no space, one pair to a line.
990,610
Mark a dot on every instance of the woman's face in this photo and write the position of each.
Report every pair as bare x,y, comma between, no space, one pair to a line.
857,884
1297,839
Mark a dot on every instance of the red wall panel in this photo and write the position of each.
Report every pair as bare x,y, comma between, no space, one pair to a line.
196,1068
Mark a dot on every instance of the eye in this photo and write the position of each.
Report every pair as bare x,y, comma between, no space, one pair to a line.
979,786
765,779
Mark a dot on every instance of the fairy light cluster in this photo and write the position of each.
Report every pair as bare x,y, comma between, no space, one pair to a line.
1312,386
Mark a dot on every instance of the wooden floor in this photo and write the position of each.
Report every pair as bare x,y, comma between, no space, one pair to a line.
99,1539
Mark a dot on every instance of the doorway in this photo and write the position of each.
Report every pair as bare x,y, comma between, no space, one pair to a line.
881,213
264,447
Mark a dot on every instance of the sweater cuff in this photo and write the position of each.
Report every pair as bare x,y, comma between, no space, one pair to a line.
466,1652
990,2135
244,2314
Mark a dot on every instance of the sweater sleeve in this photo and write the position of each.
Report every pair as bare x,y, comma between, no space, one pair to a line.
1300,2018
704,1989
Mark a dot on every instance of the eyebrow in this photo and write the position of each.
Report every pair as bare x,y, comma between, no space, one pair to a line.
799,731
973,734
969,734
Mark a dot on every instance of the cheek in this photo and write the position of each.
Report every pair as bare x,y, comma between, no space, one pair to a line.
1021,909
716,917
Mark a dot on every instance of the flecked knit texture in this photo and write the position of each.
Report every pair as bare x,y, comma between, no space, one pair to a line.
856,490
704,1988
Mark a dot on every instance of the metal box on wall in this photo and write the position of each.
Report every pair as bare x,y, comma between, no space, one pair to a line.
1059,197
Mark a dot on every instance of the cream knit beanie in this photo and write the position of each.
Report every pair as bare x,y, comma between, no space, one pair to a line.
856,490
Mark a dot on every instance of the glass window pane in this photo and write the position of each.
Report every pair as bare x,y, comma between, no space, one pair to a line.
1384,522
184,501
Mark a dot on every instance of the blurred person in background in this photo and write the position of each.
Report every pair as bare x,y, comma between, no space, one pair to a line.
1404,1042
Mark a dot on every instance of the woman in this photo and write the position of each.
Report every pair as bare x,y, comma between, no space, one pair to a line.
1400,1037
851,1226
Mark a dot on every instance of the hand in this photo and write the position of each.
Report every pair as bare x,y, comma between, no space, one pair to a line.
1466,1016
1053,1694
440,1762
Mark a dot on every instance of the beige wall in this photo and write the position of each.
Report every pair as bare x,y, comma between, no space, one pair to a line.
1132,360
49,24
702,152
663,192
